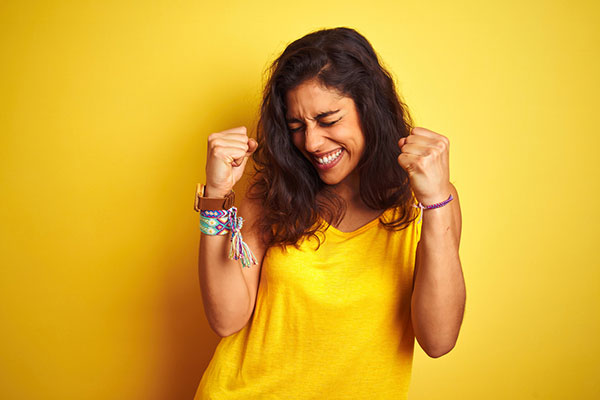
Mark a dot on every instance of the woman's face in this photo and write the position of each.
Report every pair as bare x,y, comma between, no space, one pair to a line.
325,127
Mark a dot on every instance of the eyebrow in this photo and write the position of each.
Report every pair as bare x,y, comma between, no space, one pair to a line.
319,116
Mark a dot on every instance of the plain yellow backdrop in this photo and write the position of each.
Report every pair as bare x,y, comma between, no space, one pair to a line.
105,108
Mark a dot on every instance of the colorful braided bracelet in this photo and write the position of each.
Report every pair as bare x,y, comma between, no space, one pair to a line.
436,205
219,222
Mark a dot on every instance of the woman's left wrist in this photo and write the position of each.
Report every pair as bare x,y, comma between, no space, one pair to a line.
435,198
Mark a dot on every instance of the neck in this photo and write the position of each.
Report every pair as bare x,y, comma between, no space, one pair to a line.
349,189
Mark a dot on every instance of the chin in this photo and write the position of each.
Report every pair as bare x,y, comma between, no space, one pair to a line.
330,180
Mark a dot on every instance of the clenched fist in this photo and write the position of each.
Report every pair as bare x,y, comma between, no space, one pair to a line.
425,158
226,158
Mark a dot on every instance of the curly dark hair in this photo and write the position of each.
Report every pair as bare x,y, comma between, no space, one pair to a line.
285,182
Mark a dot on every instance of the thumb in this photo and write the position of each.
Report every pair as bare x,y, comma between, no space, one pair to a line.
241,162
252,146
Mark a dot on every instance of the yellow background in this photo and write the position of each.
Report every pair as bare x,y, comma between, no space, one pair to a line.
105,107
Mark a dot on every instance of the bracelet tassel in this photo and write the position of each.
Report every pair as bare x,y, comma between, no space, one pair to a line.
218,222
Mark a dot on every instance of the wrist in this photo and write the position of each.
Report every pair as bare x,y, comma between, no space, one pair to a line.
427,201
212,200
211,191
433,206
434,198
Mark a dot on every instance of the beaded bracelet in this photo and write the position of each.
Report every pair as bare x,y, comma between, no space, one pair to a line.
218,223
432,206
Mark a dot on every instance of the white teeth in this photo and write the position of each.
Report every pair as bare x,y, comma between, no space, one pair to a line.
330,158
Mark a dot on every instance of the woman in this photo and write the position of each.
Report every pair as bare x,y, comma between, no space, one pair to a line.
350,270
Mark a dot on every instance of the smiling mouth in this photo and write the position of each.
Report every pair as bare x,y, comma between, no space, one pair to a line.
329,158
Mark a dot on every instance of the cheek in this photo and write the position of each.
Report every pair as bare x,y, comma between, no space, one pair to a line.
297,140
359,144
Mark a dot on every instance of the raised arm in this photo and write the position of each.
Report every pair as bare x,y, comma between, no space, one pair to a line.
439,295
228,290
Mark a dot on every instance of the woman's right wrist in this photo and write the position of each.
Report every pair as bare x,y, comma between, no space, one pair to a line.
215,192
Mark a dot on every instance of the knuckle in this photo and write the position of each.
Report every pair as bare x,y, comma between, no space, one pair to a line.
213,136
221,151
214,145
216,151
440,145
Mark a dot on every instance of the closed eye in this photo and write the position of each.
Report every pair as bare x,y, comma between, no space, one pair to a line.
325,124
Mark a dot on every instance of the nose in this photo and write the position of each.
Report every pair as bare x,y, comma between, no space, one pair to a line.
313,139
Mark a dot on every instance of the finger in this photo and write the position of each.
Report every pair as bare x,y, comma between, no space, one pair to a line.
419,139
237,129
239,161
242,162
408,162
239,137
252,145
229,154
416,149
422,132
220,144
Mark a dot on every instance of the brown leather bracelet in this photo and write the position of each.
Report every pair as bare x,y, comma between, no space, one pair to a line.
212,203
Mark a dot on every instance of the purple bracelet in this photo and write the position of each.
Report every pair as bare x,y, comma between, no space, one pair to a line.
432,206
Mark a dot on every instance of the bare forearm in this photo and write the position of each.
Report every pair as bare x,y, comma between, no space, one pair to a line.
224,290
438,298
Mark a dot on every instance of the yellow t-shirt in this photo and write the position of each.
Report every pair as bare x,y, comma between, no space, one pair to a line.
328,324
